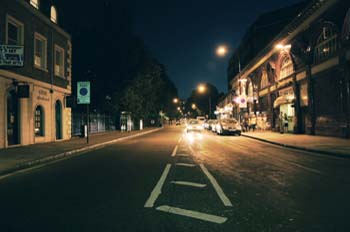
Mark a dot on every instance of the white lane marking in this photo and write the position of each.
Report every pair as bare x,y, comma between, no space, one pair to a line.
192,214
192,184
185,165
216,186
158,188
174,151
182,155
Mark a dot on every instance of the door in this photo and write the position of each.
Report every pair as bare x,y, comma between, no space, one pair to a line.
58,119
12,118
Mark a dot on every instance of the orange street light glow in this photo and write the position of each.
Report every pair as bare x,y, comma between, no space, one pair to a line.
221,51
176,100
201,88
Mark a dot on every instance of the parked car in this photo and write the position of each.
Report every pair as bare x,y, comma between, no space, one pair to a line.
201,120
228,126
212,125
194,125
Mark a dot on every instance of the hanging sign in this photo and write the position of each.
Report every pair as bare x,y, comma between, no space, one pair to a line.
11,55
83,92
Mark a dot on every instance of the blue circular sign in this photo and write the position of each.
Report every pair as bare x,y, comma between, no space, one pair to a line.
83,91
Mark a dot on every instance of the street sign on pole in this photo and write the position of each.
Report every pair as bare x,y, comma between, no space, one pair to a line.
83,92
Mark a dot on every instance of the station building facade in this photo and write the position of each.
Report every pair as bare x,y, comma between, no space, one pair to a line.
302,73
32,96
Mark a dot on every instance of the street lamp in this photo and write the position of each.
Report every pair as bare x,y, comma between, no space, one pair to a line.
202,89
175,100
221,51
194,106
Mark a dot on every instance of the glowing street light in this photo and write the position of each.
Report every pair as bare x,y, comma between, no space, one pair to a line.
221,51
194,106
175,100
283,47
202,88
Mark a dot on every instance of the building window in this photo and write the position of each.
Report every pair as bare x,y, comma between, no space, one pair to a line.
39,121
264,80
15,31
327,44
59,61
35,3
53,14
40,48
346,27
287,68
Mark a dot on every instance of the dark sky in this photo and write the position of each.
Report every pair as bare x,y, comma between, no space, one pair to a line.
183,35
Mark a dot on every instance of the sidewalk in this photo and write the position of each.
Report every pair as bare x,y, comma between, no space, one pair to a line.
319,144
18,158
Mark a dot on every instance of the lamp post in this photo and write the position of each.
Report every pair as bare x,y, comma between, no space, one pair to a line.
202,89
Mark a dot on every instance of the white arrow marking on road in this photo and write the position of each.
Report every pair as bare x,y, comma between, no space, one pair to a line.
185,165
158,188
192,214
189,184
216,186
174,151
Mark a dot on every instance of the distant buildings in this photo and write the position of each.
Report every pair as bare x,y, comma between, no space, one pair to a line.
35,74
302,71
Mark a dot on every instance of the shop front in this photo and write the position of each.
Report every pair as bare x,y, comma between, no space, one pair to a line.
285,109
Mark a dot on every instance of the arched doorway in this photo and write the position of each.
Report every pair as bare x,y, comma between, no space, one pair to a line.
58,119
12,118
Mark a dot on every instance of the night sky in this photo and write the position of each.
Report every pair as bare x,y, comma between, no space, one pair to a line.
183,35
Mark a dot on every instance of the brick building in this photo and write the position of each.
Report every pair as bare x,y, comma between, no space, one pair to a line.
301,73
32,94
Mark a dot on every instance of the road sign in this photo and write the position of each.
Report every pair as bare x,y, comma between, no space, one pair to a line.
11,55
83,92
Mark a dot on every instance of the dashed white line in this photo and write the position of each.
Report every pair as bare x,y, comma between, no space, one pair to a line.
192,214
185,165
216,186
174,151
158,188
192,184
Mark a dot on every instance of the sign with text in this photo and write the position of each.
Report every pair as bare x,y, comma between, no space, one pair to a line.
83,92
11,55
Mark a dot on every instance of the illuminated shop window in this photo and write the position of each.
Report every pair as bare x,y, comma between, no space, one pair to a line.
327,44
39,121
35,3
53,14
286,68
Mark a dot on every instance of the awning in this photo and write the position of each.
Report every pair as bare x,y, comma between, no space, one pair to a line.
285,99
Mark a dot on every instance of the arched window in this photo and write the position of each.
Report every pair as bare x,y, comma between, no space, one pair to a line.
35,3
53,14
39,121
287,68
326,45
346,27
264,80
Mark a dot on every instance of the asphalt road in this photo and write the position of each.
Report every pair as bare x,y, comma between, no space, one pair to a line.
170,181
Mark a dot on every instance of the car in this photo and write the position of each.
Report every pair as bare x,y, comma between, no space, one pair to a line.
194,125
201,120
212,125
178,122
228,126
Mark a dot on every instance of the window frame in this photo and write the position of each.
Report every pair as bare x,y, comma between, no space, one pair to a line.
283,68
332,43
35,4
53,10
60,49
19,25
44,39
40,122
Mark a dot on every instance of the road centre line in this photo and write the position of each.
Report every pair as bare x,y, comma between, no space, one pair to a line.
192,214
174,151
185,165
192,184
216,186
158,188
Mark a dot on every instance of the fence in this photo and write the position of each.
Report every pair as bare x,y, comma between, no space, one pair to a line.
98,123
